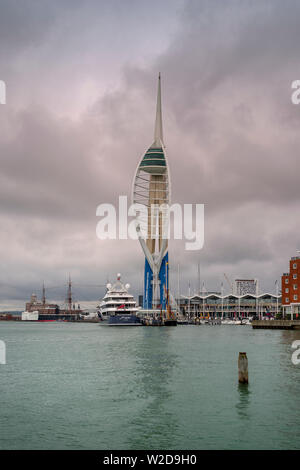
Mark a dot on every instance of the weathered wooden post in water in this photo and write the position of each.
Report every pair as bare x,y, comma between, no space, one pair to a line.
243,368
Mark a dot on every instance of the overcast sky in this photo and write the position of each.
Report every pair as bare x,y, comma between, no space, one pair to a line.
81,81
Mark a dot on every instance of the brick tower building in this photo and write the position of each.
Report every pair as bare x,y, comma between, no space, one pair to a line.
290,287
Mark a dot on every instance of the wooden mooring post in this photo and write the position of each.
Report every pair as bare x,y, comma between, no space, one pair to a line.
243,368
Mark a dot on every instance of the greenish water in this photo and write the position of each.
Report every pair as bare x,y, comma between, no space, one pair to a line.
85,386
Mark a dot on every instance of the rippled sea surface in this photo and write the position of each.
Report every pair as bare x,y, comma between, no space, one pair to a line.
86,386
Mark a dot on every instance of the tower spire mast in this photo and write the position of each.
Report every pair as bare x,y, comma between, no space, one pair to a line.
158,132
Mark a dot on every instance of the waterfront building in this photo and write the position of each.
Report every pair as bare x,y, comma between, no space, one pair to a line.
290,288
141,301
231,305
34,305
49,309
151,189
246,286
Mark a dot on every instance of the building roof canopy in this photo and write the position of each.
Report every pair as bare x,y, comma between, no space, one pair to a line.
265,295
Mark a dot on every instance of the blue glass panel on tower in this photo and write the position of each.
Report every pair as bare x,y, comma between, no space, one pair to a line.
164,280
148,279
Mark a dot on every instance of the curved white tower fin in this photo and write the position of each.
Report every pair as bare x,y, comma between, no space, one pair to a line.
146,252
158,132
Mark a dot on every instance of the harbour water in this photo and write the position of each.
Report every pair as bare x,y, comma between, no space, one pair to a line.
86,386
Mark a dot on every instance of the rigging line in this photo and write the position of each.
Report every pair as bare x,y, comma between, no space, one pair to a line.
89,285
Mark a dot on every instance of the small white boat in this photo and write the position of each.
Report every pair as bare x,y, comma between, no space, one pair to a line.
30,316
227,321
89,316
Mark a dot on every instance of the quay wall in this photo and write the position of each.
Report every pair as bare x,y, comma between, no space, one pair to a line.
277,324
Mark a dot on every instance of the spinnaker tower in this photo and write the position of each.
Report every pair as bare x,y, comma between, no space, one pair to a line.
151,189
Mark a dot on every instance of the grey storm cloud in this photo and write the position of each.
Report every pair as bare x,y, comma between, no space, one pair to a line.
72,134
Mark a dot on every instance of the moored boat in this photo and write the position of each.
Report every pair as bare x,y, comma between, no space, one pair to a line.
30,316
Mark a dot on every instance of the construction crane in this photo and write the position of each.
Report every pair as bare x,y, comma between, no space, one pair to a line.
229,282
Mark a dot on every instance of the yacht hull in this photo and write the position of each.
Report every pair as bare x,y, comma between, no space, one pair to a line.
124,320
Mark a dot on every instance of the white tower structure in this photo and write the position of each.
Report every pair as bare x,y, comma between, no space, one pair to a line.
151,189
